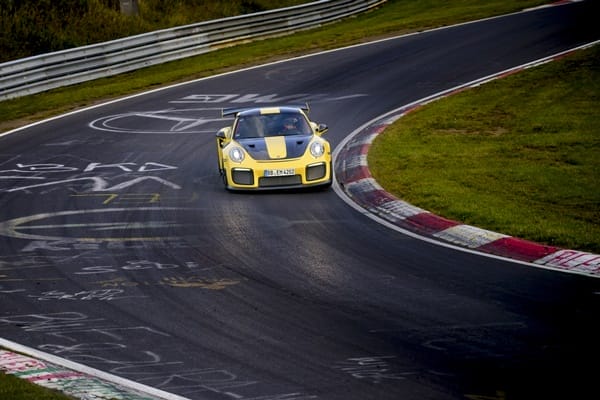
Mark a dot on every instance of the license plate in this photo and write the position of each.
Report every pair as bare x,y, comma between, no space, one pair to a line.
280,172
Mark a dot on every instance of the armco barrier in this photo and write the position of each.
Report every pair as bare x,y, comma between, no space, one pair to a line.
48,71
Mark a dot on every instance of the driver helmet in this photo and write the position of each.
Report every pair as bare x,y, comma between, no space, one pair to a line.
290,123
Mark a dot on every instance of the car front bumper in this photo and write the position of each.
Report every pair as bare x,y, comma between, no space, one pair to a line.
262,177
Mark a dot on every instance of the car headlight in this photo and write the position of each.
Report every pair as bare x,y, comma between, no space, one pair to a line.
317,149
236,154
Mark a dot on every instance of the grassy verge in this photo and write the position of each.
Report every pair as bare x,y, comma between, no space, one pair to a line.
14,388
518,155
394,18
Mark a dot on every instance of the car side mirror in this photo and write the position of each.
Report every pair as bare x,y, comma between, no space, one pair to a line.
322,128
222,133
223,136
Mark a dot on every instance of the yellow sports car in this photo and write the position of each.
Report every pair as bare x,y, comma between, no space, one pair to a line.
273,148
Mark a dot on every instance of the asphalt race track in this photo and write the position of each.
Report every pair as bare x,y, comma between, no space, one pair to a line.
121,250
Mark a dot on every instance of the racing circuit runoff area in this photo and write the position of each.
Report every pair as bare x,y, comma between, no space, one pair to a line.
122,252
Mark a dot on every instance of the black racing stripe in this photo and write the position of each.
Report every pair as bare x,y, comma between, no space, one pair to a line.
296,145
257,147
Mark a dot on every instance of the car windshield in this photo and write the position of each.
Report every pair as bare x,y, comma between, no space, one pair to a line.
265,125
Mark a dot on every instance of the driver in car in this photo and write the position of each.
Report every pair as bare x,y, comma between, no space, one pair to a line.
290,126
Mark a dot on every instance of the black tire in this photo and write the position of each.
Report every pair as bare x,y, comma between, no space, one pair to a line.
223,174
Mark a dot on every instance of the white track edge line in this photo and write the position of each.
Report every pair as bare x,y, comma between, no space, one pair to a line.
340,192
139,387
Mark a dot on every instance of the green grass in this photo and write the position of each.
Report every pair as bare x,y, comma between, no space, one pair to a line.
519,155
13,388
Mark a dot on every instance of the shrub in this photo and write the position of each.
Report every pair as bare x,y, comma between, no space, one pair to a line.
32,27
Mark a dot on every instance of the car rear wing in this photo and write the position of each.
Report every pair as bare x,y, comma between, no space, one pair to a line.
225,112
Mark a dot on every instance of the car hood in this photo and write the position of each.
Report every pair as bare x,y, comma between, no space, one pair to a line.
276,147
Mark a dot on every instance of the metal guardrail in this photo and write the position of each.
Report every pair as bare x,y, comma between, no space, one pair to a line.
62,68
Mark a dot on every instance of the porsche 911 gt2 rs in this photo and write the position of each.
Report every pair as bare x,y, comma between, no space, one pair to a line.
273,148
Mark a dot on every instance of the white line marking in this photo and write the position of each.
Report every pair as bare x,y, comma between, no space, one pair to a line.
340,192
160,394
